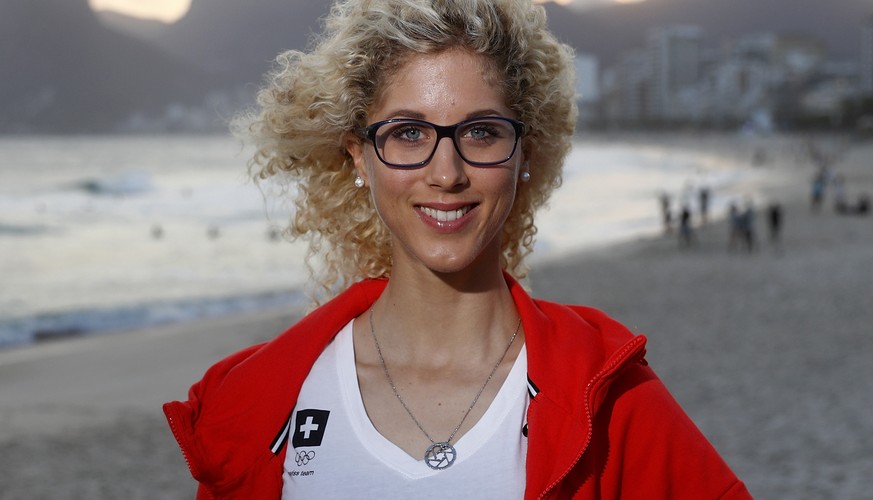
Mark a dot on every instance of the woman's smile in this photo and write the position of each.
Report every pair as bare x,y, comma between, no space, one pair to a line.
446,219
445,215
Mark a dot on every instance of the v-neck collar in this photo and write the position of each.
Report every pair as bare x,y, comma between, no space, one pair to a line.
514,387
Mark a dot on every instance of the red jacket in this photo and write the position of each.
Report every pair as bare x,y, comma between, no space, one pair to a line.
600,422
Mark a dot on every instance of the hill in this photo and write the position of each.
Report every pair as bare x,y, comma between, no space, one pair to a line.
239,39
64,71
243,38
607,31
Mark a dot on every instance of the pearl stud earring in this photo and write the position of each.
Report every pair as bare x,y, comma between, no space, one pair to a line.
359,183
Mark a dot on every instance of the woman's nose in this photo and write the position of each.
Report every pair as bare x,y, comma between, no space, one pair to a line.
446,169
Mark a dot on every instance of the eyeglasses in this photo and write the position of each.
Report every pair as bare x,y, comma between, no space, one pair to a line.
408,143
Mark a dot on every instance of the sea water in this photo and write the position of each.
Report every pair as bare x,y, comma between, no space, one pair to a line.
112,233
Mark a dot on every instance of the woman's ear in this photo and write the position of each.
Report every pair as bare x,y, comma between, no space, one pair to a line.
355,148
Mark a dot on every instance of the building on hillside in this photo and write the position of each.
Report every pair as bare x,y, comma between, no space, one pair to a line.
625,87
800,56
587,87
754,82
866,63
825,100
739,88
677,59
741,81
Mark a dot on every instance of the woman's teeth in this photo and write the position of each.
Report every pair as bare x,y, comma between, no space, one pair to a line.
445,215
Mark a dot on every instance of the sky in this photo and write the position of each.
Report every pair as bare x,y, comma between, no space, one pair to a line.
170,11
584,4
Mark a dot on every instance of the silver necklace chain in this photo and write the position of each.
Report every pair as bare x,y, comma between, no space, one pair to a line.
439,455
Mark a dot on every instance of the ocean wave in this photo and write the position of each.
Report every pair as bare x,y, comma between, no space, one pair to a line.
58,325
25,229
126,183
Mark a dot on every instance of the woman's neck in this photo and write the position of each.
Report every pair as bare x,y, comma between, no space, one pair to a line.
438,317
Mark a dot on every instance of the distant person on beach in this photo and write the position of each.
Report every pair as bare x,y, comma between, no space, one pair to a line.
735,226
774,223
817,191
841,202
741,226
666,215
863,206
703,201
842,205
759,157
747,226
686,232
420,137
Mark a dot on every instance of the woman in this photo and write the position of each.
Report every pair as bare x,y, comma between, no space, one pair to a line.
421,136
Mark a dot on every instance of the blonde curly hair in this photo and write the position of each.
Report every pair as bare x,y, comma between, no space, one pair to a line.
312,100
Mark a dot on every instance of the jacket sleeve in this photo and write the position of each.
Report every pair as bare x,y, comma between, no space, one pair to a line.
651,448
185,421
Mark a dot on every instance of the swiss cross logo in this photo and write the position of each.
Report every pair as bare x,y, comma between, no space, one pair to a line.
309,428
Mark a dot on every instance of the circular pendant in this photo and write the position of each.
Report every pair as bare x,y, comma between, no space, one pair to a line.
440,455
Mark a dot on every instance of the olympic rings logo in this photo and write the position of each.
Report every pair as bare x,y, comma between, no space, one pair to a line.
303,457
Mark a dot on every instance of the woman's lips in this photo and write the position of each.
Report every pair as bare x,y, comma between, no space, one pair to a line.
446,218
445,215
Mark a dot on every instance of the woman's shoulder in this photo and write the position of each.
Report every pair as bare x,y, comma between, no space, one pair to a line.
311,332
590,324
588,345
219,371
568,322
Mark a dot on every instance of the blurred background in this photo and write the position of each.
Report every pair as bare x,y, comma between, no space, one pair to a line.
110,66
725,143
116,164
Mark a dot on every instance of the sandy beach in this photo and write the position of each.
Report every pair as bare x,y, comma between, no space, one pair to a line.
766,350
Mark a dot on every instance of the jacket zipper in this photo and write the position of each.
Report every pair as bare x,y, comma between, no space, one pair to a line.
630,346
174,429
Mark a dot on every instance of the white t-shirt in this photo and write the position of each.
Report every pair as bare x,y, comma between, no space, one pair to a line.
335,452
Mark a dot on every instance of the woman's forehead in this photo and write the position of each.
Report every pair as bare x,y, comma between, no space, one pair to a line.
450,81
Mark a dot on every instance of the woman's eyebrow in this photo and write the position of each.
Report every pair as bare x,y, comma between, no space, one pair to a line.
484,112
406,113
417,115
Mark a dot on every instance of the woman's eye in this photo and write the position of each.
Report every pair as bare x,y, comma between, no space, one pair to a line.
482,132
479,133
408,133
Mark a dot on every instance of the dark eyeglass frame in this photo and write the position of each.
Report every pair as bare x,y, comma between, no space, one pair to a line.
450,131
